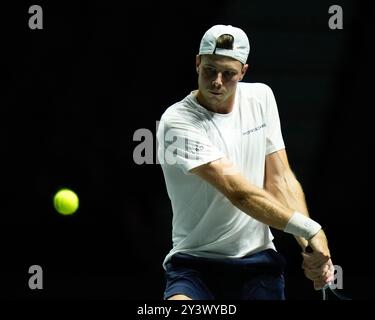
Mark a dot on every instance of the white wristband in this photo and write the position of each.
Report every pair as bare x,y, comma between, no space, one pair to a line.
302,226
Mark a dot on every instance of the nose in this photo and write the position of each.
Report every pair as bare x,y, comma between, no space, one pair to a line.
218,81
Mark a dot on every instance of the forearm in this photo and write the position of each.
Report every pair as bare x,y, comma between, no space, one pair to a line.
289,192
262,206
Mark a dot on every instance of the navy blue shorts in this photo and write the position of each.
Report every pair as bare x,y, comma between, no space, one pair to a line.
255,277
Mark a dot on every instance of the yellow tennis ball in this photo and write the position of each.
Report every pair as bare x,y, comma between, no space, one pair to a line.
66,201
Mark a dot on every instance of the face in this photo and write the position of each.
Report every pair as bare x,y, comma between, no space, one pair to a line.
217,80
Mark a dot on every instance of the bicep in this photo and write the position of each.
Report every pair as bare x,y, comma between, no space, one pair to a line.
278,171
276,166
277,162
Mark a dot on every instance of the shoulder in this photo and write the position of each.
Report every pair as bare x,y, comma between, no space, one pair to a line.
182,113
257,92
257,89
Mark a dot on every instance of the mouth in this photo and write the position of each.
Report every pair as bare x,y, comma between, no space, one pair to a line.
215,93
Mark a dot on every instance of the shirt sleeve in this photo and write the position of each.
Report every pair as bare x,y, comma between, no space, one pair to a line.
185,144
274,138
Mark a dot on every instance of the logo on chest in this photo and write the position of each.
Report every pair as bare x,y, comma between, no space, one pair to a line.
254,129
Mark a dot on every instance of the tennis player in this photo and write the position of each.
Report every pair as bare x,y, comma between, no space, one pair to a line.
228,178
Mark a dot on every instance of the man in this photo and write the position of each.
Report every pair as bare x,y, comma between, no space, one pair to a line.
228,179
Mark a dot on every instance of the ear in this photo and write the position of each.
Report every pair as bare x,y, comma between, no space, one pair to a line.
243,71
197,62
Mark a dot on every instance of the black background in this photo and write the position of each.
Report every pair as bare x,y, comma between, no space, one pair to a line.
76,91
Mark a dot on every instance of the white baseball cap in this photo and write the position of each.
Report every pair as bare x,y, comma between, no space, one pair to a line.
241,45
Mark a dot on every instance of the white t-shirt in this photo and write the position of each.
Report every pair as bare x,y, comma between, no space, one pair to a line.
205,223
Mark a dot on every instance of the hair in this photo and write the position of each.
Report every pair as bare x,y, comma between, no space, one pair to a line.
225,41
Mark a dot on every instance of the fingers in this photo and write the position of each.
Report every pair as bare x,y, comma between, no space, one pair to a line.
318,269
314,262
321,283
311,276
317,265
324,274
322,270
330,275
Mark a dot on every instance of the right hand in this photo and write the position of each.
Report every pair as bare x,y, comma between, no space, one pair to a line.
317,264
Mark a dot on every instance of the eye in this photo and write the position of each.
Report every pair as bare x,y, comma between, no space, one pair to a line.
210,71
229,74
